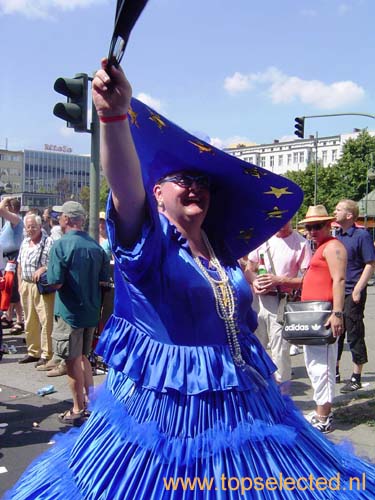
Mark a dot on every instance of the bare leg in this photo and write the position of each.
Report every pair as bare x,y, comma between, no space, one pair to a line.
357,369
76,382
323,410
19,312
88,378
9,312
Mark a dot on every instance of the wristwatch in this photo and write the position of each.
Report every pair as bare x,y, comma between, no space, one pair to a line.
338,314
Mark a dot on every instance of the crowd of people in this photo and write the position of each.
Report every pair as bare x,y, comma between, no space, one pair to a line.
317,264
337,272
190,392
53,248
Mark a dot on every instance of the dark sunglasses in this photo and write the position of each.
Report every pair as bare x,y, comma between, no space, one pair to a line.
186,181
315,227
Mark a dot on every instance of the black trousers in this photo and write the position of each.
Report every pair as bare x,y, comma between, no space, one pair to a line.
354,329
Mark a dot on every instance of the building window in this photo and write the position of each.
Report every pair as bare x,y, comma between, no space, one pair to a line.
263,161
280,160
324,156
334,154
272,161
295,158
302,157
289,159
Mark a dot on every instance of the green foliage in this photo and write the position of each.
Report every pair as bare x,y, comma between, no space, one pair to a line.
64,189
103,194
345,179
84,198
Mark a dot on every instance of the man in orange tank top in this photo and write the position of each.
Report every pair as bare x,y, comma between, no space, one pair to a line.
324,280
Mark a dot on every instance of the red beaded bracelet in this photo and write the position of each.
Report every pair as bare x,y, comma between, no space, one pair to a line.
109,119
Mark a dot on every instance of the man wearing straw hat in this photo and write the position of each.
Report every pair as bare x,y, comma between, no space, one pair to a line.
324,281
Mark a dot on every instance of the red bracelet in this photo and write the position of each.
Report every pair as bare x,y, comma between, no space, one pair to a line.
109,119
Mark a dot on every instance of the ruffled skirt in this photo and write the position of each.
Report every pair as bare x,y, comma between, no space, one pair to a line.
232,444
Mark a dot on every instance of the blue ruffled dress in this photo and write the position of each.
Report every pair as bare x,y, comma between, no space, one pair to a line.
175,407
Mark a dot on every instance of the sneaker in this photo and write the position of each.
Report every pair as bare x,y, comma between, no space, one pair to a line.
47,366
58,371
351,386
41,362
294,350
323,426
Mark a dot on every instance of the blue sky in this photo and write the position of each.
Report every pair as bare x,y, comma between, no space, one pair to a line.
237,71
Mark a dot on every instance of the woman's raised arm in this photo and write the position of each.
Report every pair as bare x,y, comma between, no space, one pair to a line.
111,93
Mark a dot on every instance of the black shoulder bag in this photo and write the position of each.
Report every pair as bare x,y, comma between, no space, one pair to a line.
42,284
304,323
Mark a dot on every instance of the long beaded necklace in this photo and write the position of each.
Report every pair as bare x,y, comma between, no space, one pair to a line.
224,301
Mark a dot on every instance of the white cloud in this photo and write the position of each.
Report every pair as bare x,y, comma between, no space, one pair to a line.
237,83
217,142
155,104
287,138
43,9
233,141
282,88
66,131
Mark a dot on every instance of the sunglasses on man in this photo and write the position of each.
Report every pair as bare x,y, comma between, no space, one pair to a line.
186,181
315,227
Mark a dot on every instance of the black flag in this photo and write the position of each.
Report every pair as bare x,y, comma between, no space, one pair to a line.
127,13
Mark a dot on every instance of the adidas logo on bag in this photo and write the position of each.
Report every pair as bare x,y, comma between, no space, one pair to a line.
315,327
298,328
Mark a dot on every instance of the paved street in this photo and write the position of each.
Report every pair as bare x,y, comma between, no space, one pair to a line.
31,420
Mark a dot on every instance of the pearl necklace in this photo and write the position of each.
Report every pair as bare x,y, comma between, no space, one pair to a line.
224,301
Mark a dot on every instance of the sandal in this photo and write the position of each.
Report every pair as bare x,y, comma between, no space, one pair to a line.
17,329
5,322
69,417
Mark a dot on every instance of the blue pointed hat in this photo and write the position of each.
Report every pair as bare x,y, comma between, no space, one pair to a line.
248,203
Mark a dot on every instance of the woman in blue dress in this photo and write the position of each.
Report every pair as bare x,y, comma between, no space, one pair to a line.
190,409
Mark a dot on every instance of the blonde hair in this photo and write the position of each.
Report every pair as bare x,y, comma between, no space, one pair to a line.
352,207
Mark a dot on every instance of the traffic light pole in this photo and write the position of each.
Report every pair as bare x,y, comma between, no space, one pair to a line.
94,176
316,170
74,112
339,114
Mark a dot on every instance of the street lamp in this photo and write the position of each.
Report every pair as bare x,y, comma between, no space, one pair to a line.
369,177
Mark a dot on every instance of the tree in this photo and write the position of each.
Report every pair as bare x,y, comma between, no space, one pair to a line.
345,179
103,194
64,189
84,195
84,198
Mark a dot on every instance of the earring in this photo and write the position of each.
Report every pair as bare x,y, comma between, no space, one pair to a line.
161,205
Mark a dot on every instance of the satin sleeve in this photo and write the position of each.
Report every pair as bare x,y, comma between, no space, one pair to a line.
144,256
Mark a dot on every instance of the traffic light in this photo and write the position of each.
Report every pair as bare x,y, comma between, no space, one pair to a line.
74,111
299,127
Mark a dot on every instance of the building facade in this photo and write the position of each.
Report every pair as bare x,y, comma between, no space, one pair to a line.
44,178
281,157
46,171
11,167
